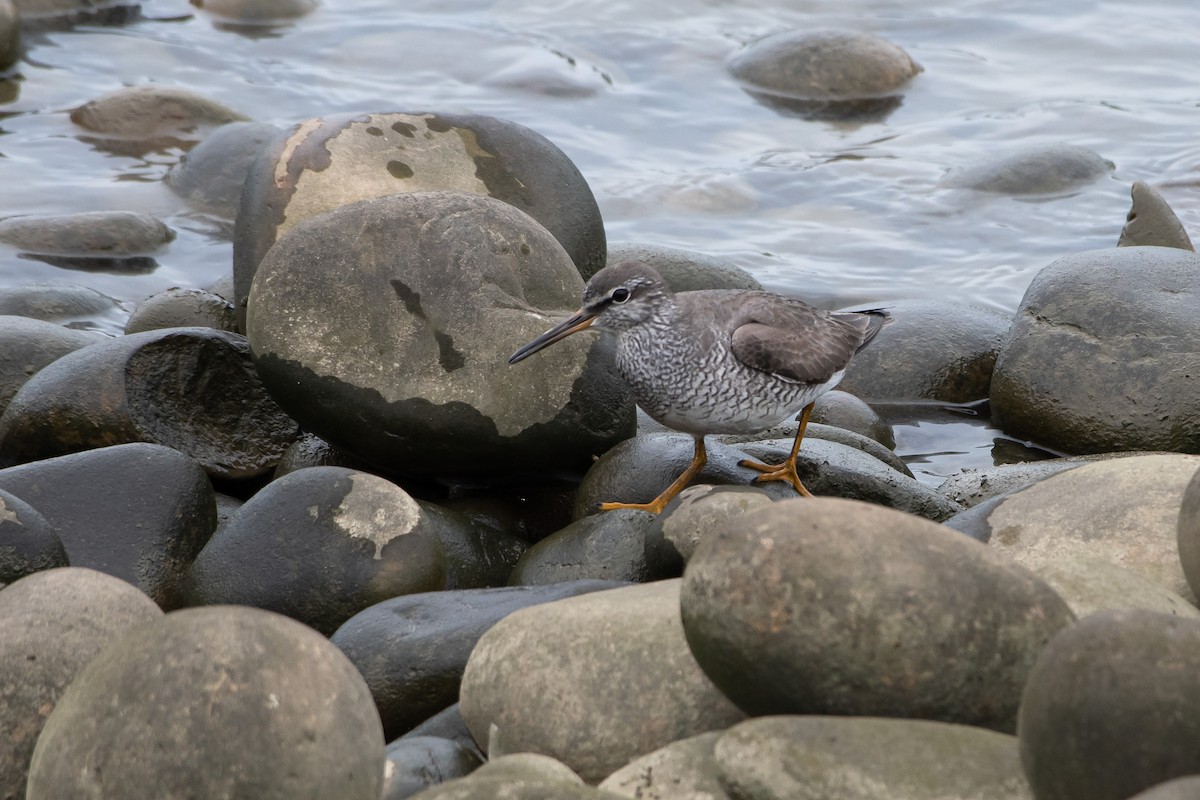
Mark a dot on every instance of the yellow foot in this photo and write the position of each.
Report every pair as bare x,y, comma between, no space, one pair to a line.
778,472
654,507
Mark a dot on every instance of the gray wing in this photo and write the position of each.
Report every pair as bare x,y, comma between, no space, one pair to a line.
802,343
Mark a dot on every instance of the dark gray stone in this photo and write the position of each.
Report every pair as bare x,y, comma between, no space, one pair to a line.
28,543
867,758
840,409
683,769
210,175
446,724
192,389
610,546
1120,329
409,368
828,433
418,762
594,681
412,650
57,302
152,111
52,624
312,451
1152,222
319,545
933,350
89,233
332,161
827,606
232,702
140,512
694,514
27,345
684,270
1111,705
182,308
1039,169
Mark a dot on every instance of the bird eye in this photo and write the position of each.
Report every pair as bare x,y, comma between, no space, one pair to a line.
620,294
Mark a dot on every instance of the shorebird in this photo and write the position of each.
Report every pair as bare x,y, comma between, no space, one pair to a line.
716,361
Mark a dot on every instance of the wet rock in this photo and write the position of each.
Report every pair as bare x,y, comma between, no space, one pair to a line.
222,287
933,350
332,161
27,345
418,762
1035,170
1152,222
1122,511
694,514
1120,329
56,14
313,451
827,433
610,546
839,409
10,34
412,650
319,545
1089,585
971,487
409,369
864,758
477,556
684,270
682,769
210,175
1111,706
1187,532
28,543
192,389
825,74
446,724
110,233
826,606
257,12
153,111
52,624
593,681
214,701
140,512
57,302
182,308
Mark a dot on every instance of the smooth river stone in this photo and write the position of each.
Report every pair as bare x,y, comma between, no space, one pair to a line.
1111,707
684,769
89,233
829,606
594,681
153,111
213,702
418,762
182,308
27,345
1103,354
28,543
1038,169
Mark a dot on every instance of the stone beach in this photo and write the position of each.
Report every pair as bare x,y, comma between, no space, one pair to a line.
304,532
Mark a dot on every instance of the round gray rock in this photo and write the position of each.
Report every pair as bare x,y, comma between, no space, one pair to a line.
214,702
828,606
1152,221
682,769
866,758
418,762
1039,169
576,679
153,111
840,409
933,350
28,543
52,624
27,345
610,546
1120,329
210,176
258,12
332,161
89,233
58,302
409,368
1111,705
182,308
684,270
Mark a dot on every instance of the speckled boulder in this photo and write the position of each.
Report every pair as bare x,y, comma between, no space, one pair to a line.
933,350
140,512
1104,352
1039,169
211,174
828,606
153,111
28,543
867,758
609,546
320,545
27,345
182,308
682,769
820,74
412,650
593,681
409,368
107,233
331,161
684,270
214,702
1111,707
1152,222
192,389
1122,511
52,624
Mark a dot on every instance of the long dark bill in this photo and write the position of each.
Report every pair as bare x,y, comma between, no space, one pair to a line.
573,324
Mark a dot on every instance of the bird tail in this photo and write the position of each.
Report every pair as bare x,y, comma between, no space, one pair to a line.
876,320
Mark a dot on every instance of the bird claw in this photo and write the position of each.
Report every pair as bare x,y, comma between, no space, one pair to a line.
778,472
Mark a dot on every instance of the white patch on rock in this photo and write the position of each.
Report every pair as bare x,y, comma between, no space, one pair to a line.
6,513
376,510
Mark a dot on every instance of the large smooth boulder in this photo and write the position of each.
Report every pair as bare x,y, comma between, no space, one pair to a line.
213,703
409,368
1103,353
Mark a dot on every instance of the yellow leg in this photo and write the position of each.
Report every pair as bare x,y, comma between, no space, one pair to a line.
787,470
699,459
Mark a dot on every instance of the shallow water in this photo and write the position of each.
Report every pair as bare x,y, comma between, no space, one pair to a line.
677,154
